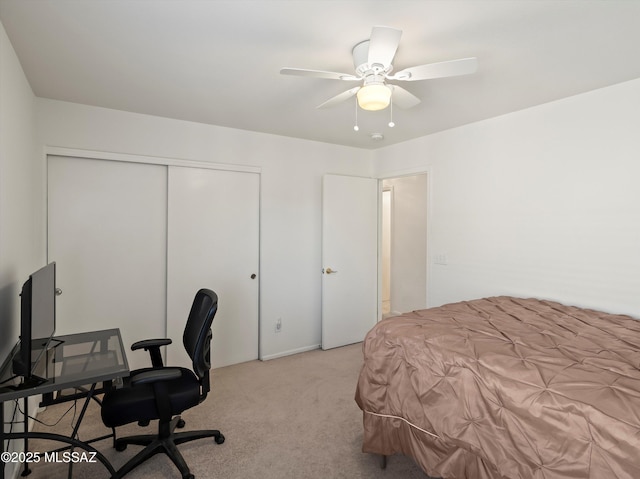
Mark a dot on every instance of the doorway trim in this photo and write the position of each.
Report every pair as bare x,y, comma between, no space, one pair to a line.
386,248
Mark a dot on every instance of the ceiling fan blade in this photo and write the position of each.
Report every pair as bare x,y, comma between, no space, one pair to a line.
450,68
345,95
318,74
402,98
383,44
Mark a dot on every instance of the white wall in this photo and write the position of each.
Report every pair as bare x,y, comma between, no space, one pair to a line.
543,202
290,217
21,180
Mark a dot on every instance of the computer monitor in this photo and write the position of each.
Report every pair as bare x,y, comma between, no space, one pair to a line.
37,319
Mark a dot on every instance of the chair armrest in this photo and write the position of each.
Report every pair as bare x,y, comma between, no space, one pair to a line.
150,343
155,375
153,346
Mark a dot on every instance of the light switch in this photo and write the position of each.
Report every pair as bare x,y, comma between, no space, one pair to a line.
440,258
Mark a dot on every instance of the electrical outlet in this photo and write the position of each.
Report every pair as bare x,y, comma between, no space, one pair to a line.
279,325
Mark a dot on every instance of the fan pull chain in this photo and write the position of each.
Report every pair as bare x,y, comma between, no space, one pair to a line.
356,127
391,123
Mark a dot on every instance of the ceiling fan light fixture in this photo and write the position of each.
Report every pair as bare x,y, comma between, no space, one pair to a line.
374,97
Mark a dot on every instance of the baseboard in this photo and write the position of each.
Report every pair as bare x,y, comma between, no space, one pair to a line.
290,352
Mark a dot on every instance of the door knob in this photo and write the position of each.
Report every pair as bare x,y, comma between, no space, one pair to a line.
253,276
330,271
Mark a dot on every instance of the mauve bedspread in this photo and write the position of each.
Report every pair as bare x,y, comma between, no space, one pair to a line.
505,387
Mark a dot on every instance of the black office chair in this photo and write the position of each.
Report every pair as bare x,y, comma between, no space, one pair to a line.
164,392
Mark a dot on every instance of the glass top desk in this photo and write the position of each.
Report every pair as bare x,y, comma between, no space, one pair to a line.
85,363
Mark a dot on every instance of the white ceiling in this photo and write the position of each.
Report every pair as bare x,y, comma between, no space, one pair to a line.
218,62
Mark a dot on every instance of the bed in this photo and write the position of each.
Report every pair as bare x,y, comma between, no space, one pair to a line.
505,387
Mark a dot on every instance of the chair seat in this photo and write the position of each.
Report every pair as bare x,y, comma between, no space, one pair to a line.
133,404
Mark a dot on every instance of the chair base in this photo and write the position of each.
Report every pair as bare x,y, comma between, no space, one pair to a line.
165,441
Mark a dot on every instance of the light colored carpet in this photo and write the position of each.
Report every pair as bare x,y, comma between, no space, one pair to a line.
293,417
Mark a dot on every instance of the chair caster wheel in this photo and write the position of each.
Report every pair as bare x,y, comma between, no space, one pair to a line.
180,424
120,447
189,476
219,439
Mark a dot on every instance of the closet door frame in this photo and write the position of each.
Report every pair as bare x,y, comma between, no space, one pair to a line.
161,161
153,160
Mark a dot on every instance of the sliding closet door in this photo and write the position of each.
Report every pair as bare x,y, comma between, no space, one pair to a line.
107,233
213,242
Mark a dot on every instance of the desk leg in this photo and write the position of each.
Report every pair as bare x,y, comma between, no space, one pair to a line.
74,434
2,466
84,410
25,425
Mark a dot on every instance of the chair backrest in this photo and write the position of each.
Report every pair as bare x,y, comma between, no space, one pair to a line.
197,334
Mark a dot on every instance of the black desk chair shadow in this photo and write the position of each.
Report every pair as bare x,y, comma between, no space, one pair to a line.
164,392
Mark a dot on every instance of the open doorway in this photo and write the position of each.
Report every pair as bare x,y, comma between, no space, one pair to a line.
403,244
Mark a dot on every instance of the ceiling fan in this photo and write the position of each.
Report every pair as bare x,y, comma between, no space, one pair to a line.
372,61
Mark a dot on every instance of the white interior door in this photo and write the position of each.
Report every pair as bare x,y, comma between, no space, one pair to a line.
349,259
107,233
213,242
